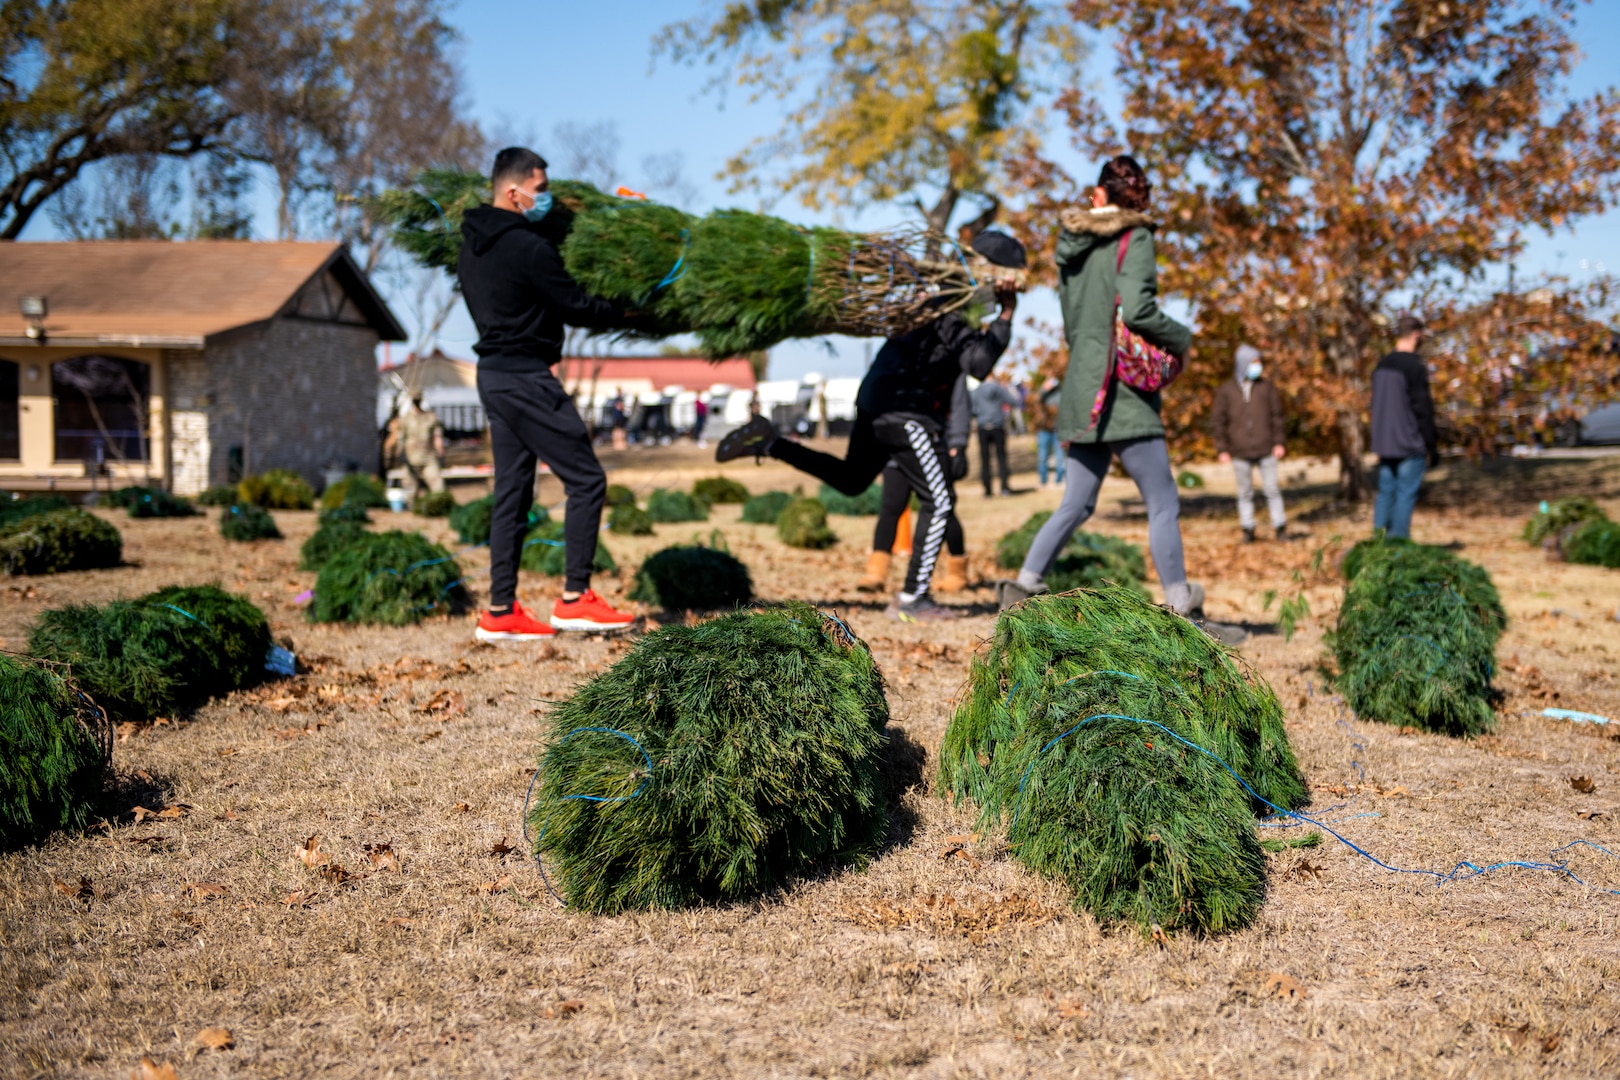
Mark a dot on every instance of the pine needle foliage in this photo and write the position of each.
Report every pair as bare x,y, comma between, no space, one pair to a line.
160,654
803,524
54,749
671,506
544,552
1087,561
765,734
618,495
628,519
1595,543
59,540
1552,518
245,521
326,541
868,503
357,489
471,520
1416,638
692,578
716,490
392,578
434,504
1143,828
218,495
276,489
16,507
151,502
1051,639
765,509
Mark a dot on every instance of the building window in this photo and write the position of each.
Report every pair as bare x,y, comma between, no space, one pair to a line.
101,409
10,418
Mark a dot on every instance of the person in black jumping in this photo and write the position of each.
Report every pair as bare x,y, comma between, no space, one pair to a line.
520,297
900,413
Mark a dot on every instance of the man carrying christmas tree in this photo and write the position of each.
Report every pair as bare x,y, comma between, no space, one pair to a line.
900,413
520,296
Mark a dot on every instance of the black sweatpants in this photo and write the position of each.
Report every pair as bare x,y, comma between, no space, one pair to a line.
917,449
896,494
995,437
531,417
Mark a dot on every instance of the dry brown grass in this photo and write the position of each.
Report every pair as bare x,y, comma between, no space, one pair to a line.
334,872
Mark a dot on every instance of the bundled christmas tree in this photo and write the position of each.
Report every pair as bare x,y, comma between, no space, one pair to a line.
1088,561
867,504
338,529
1115,634
166,651
618,495
58,540
714,762
54,748
276,489
692,578
245,521
765,509
546,552
1416,638
1555,517
355,489
434,504
150,502
803,524
674,506
393,578
715,490
1594,543
218,495
740,281
628,519
15,507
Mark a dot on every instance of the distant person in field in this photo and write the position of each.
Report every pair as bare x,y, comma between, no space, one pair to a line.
1403,432
421,445
520,298
1248,425
1043,414
993,404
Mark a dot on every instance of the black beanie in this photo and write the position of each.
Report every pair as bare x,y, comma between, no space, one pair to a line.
1000,249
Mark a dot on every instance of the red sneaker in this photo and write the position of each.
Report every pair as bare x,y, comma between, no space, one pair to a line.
589,612
517,625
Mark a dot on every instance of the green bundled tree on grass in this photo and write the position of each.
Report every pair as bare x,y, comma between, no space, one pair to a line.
339,528
1594,543
716,490
691,577
545,552
245,521
618,495
628,519
16,507
765,509
434,504
150,502
666,507
1416,638
165,652
1551,519
393,578
739,753
1111,634
276,489
54,749
867,504
1088,561
803,524
218,495
58,540
356,489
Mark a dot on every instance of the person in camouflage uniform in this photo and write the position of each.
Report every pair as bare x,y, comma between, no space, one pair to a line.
421,444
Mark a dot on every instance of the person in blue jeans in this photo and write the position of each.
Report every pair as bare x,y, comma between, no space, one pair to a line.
1043,411
1403,432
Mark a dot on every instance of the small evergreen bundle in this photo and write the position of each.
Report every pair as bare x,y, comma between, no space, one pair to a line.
1553,518
220,495
356,489
765,509
1416,638
16,507
803,524
715,490
1115,633
628,519
671,506
1088,561
157,503
692,578
245,521
58,540
166,651
276,489
332,537
545,552
1144,828
618,495
54,749
392,578
764,759
471,520
434,504
867,504
1594,543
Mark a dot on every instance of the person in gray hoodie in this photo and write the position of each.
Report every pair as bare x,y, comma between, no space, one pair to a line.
992,402
1403,431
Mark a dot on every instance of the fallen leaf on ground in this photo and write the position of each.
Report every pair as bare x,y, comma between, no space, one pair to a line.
1518,1036
501,848
402,922
461,808
82,891
489,888
335,874
215,1038
178,810
1549,1043
125,730
295,899
151,1070
310,853
1304,868
445,702
1073,1010
201,890
957,851
425,736
229,815
563,1008
1160,936
229,751
1582,784
382,857
1286,987
1591,815
187,917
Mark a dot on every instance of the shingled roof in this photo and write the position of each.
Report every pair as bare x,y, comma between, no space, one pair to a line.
180,293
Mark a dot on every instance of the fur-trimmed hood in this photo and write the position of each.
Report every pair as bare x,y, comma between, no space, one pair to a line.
1104,221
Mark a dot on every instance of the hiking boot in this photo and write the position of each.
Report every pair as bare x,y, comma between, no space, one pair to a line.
1225,633
1282,533
1248,534
877,573
753,439
519,624
952,573
1195,600
1010,592
922,609
589,612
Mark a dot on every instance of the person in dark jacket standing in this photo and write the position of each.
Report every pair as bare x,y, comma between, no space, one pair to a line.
1403,433
1248,426
900,413
992,402
520,297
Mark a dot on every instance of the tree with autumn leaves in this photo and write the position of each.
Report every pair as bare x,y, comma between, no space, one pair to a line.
1322,165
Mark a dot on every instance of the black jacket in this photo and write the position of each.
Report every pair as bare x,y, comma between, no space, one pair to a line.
1402,410
519,294
915,373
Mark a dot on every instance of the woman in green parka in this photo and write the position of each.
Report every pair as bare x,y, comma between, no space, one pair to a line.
1104,256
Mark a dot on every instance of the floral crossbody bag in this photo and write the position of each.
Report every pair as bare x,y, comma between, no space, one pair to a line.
1135,361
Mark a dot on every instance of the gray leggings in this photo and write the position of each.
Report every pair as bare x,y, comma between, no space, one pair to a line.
1148,463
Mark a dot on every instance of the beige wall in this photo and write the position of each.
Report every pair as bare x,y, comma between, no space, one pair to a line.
38,414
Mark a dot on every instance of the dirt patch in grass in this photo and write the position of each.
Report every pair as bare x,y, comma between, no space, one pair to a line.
332,867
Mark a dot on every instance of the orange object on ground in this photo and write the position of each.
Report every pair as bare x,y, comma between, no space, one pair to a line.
902,533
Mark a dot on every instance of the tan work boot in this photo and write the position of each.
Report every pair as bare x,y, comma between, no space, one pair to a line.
952,574
877,573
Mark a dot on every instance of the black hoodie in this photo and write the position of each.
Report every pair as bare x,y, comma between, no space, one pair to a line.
519,293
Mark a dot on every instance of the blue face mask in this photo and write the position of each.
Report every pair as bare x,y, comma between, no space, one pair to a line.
1252,372
541,207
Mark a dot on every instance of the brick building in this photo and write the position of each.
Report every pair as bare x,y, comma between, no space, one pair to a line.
184,364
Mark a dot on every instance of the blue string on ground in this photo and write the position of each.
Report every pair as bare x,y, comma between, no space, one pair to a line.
534,844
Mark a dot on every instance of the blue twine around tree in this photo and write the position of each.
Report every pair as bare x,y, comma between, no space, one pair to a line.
534,845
